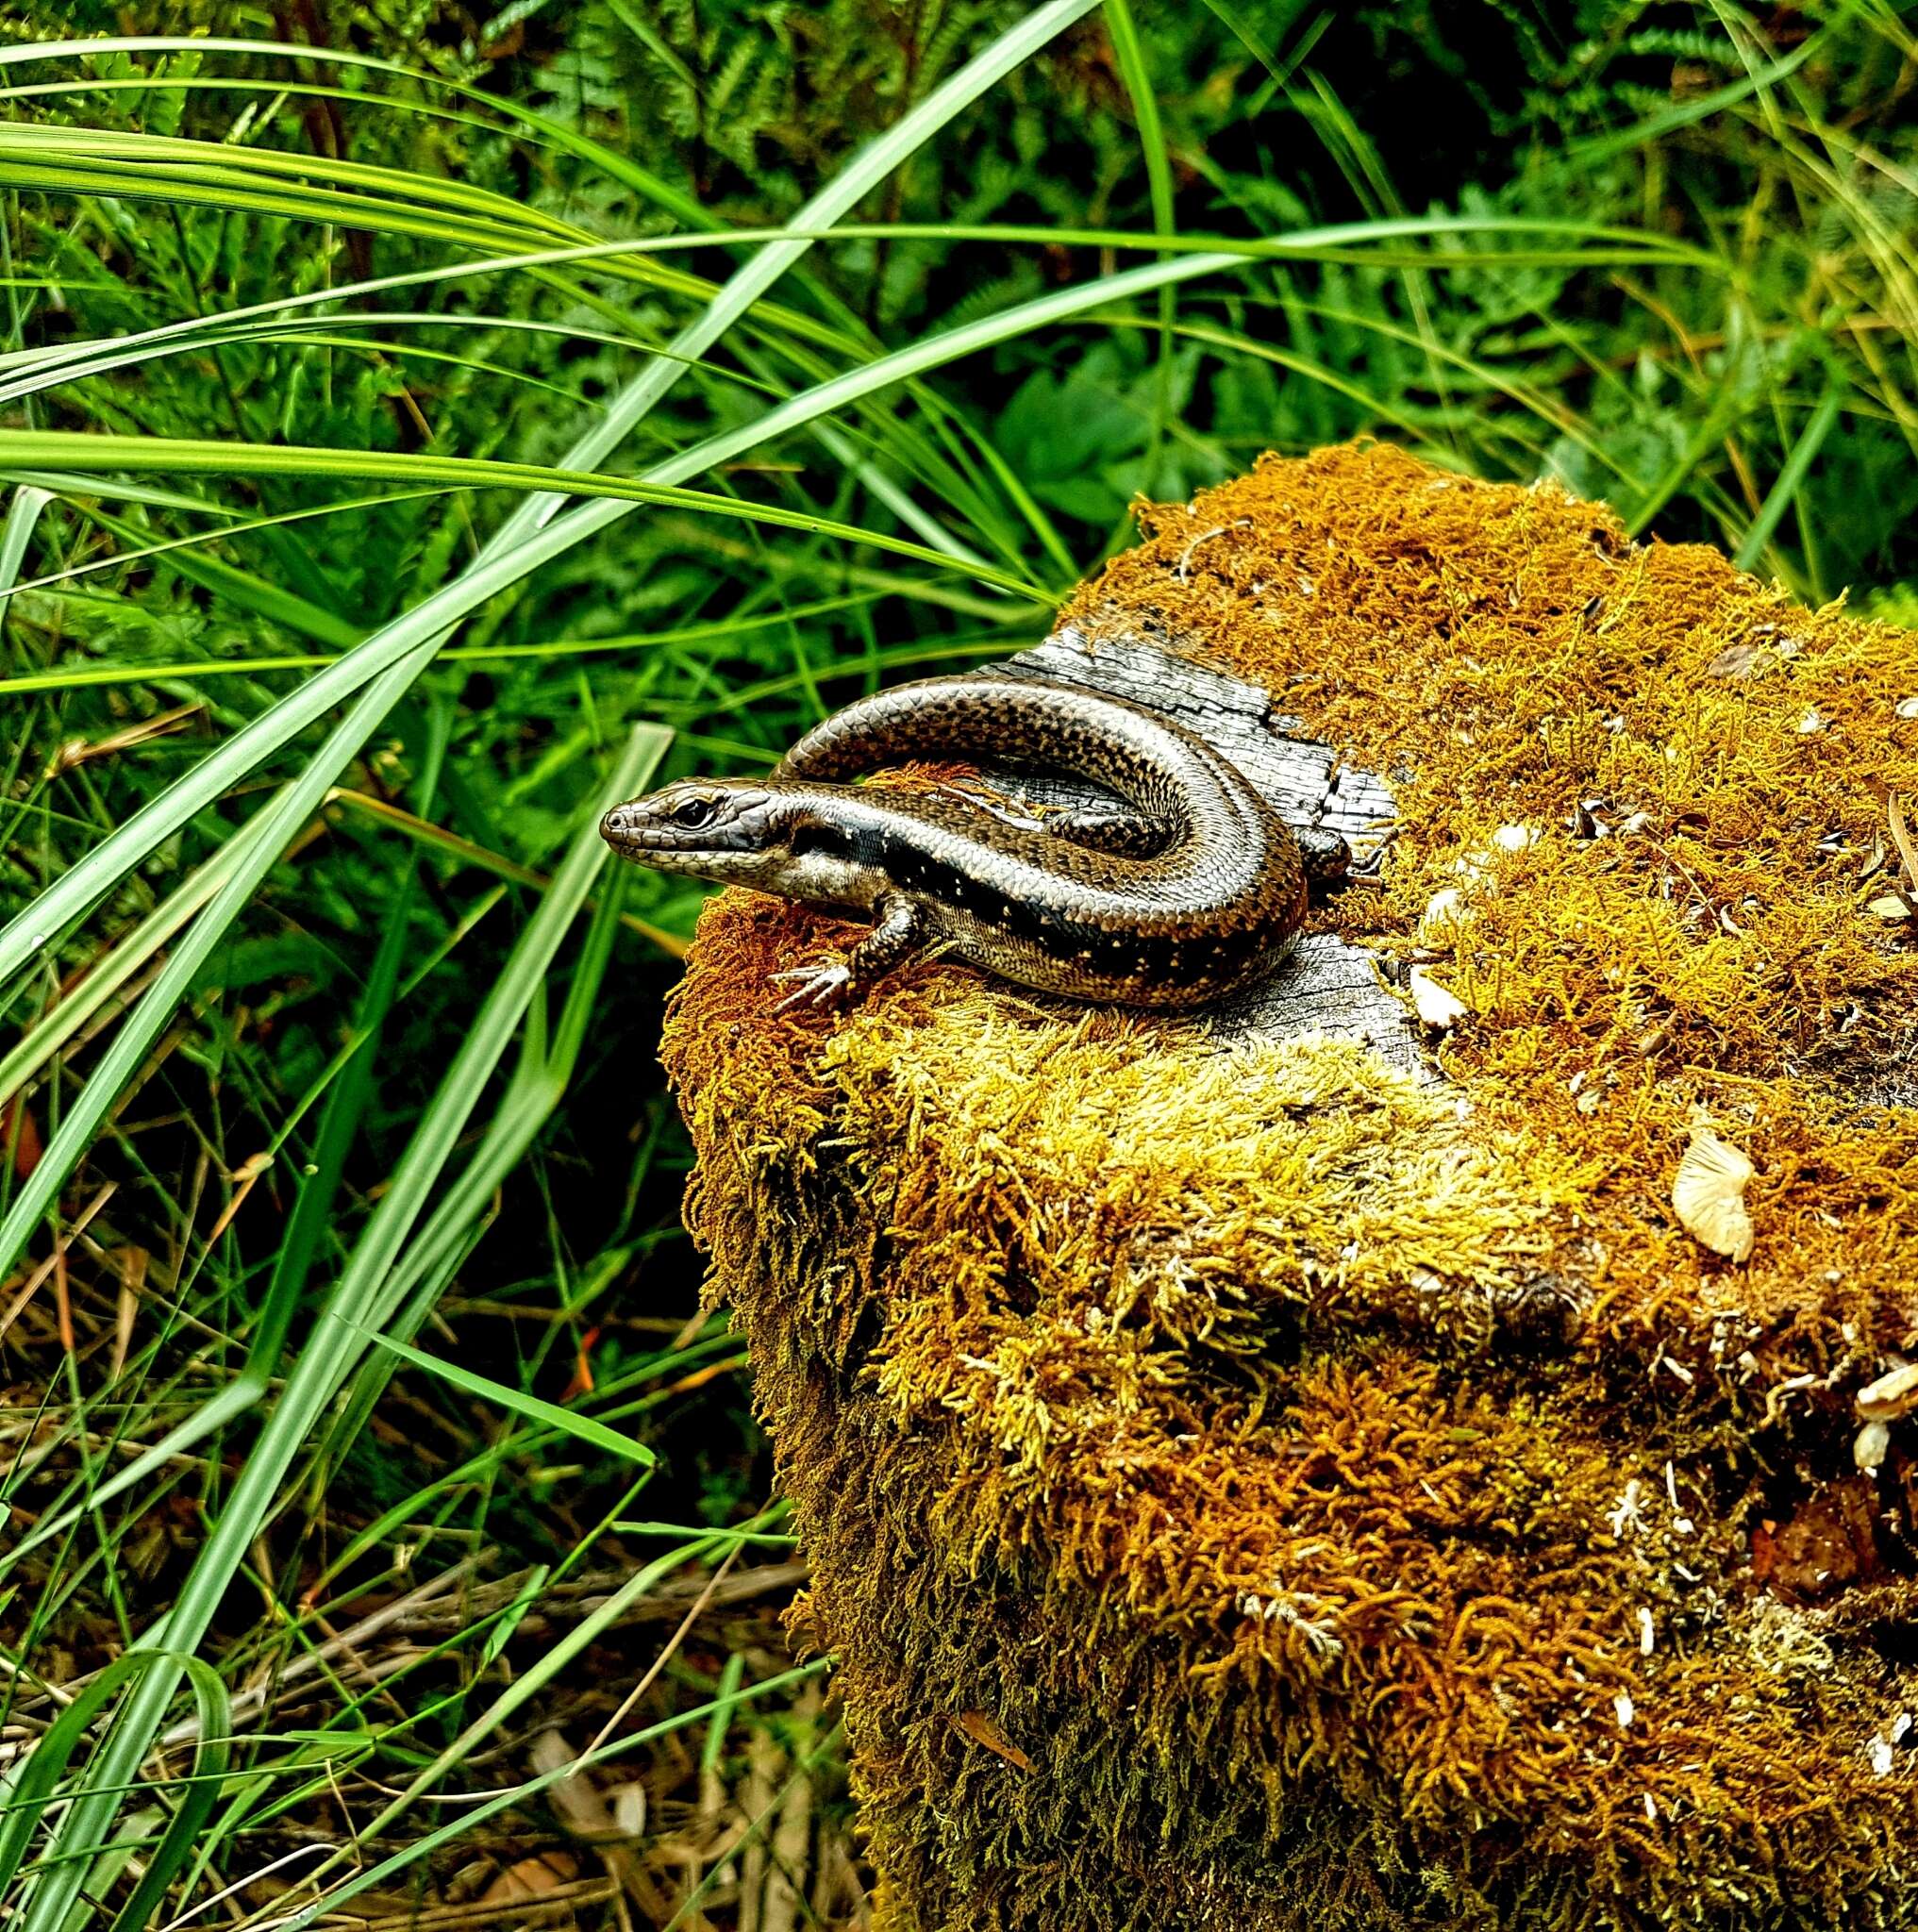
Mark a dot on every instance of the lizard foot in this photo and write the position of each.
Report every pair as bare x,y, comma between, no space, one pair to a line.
825,983
1327,857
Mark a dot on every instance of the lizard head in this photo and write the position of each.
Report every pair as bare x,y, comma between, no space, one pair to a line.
740,832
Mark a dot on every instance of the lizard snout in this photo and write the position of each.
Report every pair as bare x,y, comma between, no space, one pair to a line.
620,825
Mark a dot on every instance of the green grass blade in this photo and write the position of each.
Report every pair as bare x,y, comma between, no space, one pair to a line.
180,1841
1598,149
108,973
422,1267
1363,243
274,831
347,1099
33,1784
581,1428
360,1301
59,450
189,671
15,534
1145,96
1778,499
392,1866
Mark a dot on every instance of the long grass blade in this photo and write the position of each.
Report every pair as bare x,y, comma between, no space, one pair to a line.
568,1422
1791,479
360,1301
33,1782
58,450
15,534
1137,79
386,665
347,1099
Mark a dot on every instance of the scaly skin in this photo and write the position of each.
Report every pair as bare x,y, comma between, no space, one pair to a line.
1189,890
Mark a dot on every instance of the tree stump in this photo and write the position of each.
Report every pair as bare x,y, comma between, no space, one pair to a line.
1297,1467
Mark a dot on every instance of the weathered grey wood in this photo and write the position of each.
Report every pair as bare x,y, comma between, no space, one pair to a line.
1328,985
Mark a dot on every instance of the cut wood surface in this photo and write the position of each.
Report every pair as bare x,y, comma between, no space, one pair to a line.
1328,985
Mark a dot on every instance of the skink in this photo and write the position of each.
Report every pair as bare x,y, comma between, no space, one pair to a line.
1189,888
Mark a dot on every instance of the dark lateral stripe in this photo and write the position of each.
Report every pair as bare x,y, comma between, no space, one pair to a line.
1215,947
816,835
1128,952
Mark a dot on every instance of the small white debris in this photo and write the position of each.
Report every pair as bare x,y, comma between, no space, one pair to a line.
1626,1708
1648,1633
1880,1751
1651,1807
1895,1394
1435,1006
1901,1724
1445,912
1628,1510
1738,660
629,1809
1870,1446
1515,838
1707,1195
1812,721
1906,707
1300,1610
1205,537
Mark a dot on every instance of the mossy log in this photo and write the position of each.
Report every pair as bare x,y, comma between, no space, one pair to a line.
1301,1471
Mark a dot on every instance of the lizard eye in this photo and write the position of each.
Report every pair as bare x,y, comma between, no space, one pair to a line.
695,813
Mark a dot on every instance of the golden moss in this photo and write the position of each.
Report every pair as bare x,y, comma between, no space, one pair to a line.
1362,1501
1508,656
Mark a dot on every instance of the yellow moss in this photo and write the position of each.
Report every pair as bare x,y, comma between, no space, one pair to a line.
1363,1500
1507,655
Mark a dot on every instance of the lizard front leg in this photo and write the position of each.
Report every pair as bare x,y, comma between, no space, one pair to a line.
899,928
